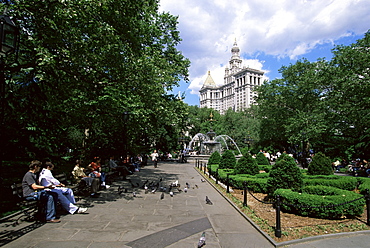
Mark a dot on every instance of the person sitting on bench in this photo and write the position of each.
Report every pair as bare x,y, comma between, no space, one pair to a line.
33,191
65,195
80,175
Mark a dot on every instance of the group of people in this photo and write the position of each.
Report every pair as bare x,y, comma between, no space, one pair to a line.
46,188
40,184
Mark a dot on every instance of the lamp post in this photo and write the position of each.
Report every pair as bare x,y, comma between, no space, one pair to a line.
8,44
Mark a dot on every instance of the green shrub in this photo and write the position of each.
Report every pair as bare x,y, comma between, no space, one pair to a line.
340,182
228,160
254,184
320,165
222,173
321,202
246,165
261,159
214,158
364,184
266,168
284,174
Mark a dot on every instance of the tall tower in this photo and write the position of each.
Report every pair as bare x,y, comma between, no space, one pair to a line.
235,62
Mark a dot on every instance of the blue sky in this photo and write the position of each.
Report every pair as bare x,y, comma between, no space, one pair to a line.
269,33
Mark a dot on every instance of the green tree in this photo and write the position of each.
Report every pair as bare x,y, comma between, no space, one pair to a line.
228,160
284,174
82,64
215,158
246,165
261,159
320,165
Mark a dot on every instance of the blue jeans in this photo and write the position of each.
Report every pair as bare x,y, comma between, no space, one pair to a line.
49,199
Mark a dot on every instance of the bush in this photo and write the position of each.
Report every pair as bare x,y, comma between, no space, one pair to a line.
247,165
214,158
228,160
321,202
261,159
285,174
340,182
320,165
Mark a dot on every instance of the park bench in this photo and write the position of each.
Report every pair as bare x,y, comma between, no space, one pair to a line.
30,209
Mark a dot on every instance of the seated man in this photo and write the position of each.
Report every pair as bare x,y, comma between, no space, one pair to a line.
79,174
65,195
33,191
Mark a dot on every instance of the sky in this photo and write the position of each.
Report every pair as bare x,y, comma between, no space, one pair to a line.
269,33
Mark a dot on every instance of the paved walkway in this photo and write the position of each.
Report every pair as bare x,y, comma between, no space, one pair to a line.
147,221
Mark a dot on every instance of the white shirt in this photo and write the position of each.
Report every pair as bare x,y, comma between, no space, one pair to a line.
46,178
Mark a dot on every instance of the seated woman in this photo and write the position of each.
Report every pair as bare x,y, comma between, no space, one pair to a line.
95,168
65,195
80,176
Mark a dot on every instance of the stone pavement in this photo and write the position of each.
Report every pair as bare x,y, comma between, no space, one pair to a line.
118,219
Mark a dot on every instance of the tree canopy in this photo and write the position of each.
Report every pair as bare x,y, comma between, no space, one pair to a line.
81,65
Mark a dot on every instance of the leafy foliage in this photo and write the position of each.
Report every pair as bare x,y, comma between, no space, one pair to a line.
214,158
247,165
284,174
261,159
82,65
320,165
228,160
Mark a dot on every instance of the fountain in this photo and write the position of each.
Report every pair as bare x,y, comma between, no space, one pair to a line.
210,143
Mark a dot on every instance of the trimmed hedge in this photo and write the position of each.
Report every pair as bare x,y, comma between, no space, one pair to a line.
214,158
246,165
364,184
228,160
340,182
325,196
254,184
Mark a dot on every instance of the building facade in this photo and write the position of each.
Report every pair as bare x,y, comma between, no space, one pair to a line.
237,91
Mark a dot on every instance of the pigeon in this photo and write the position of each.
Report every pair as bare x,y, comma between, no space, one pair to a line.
171,193
146,189
187,185
162,195
196,186
208,201
120,189
145,183
134,194
202,180
202,240
185,190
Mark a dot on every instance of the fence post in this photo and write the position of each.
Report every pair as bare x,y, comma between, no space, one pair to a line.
278,224
245,194
367,197
217,176
205,168
196,161
209,171
227,183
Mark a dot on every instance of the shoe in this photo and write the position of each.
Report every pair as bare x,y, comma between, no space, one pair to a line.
53,221
94,195
107,186
81,210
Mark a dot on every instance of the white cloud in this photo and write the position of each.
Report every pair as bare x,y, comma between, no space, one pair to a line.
284,28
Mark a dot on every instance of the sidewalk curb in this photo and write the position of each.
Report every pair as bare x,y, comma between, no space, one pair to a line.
241,213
